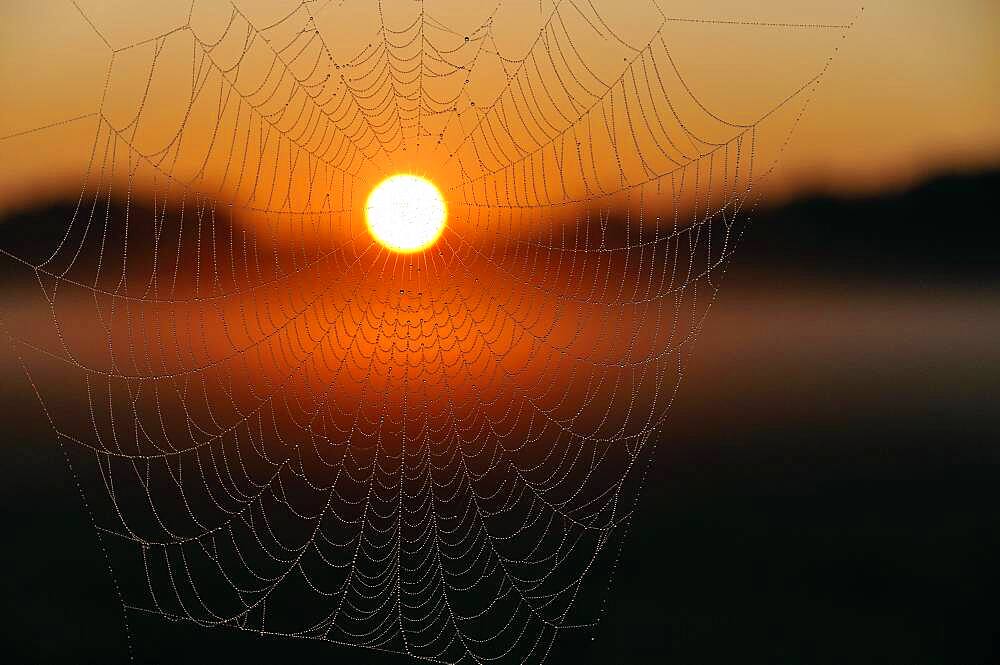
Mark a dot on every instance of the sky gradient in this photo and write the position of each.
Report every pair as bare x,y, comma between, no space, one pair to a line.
911,90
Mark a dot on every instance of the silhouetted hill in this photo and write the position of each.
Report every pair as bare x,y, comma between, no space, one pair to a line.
942,228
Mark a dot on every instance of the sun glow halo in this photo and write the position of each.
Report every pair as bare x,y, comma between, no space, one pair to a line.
405,213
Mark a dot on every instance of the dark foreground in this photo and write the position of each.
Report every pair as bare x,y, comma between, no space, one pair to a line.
826,491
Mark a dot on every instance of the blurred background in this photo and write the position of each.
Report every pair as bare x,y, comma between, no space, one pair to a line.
827,483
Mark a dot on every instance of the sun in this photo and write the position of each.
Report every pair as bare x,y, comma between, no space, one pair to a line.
405,213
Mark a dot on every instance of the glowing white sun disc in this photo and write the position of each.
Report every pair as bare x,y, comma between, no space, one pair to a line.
405,213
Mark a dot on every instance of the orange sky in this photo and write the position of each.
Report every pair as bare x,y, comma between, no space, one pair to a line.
916,89
911,90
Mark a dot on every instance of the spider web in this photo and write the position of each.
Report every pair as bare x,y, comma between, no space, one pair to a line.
280,426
